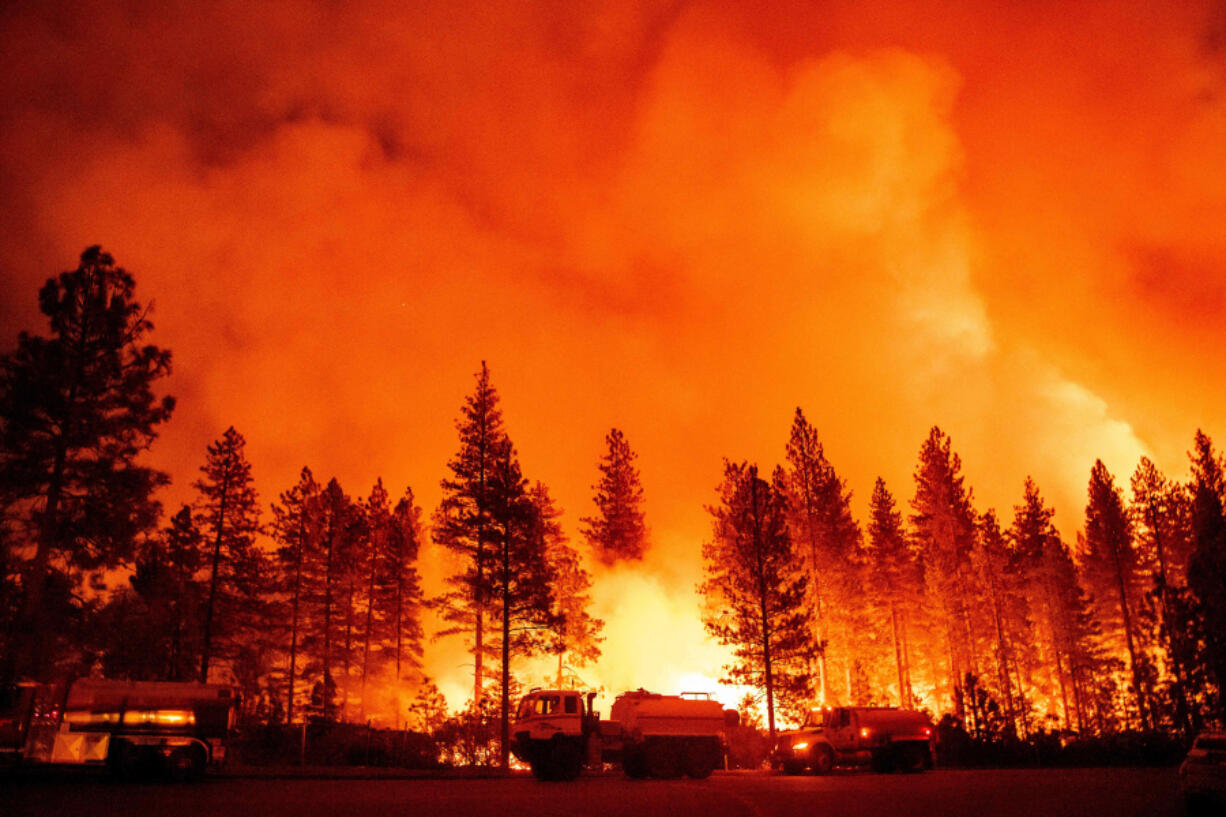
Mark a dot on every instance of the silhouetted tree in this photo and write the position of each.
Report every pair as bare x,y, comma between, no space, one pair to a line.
329,584
999,573
165,580
575,632
1111,570
520,579
894,578
944,526
617,531
824,530
462,521
230,516
76,411
755,589
372,551
403,596
1207,566
296,529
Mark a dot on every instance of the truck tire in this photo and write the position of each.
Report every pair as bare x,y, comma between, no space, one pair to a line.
186,764
885,760
663,760
699,761
913,759
634,765
565,760
823,760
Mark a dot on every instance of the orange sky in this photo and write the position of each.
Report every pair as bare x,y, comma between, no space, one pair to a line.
682,219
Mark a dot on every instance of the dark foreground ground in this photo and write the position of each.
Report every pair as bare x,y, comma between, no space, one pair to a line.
1020,792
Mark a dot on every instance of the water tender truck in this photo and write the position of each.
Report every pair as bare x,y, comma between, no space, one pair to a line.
558,733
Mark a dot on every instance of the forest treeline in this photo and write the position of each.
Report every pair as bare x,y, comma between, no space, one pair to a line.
997,622
312,603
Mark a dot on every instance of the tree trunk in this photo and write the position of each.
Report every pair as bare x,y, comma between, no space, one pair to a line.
370,611
1132,653
902,689
293,639
207,647
504,742
327,702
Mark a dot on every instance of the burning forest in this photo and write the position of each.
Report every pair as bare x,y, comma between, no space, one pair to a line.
809,357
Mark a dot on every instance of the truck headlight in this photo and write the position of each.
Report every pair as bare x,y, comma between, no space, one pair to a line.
800,747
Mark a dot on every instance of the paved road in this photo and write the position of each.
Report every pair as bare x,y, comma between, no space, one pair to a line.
997,793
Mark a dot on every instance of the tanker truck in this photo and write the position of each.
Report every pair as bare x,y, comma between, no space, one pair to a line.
884,738
127,726
558,733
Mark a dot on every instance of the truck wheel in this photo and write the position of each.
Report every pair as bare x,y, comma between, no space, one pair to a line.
123,760
634,765
698,763
565,760
186,763
912,759
662,761
823,760
885,761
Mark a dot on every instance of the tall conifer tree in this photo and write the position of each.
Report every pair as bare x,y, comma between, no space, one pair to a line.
894,578
755,589
520,579
825,532
230,515
576,633
617,531
76,411
295,527
403,596
462,521
1111,570
1207,567
944,526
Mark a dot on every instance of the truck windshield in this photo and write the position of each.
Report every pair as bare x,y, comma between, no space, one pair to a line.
539,705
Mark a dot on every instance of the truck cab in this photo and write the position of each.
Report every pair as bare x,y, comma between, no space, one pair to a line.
556,732
886,738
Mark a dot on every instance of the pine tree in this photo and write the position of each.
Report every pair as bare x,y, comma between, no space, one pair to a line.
1000,577
462,521
944,525
755,589
617,532
165,579
403,600
1207,567
296,529
230,516
894,578
520,579
822,526
376,531
329,580
1161,514
575,632
1111,570
1037,544
76,411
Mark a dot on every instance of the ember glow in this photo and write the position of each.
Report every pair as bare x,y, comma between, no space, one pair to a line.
680,219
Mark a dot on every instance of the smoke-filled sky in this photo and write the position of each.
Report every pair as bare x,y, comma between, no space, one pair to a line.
681,219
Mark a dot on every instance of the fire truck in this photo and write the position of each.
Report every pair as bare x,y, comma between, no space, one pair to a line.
127,726
885,738
558,734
